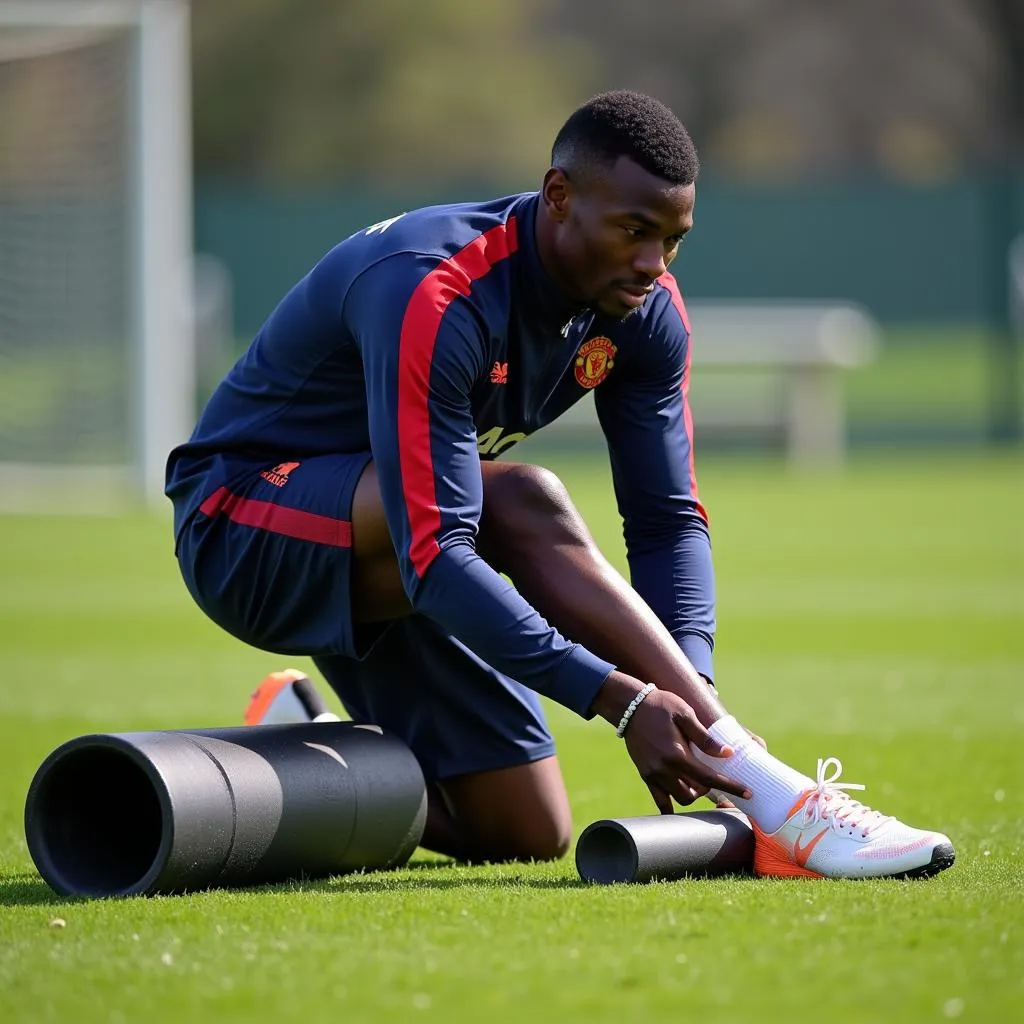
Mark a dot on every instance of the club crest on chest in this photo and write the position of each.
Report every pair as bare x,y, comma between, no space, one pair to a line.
594,361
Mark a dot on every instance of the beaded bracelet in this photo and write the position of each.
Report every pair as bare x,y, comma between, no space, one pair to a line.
649,688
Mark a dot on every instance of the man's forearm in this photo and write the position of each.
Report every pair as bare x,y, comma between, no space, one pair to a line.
590,602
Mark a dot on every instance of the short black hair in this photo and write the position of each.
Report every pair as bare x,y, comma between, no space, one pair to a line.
630,124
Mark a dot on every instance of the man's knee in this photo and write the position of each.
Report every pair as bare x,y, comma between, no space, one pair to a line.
532,503
519,813
544,838
537,840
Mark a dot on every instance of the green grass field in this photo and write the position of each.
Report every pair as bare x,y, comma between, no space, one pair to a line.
876,615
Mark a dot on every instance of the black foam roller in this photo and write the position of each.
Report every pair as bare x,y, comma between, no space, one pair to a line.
665,847
165,812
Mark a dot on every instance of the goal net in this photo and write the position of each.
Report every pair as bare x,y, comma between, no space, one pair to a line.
95,347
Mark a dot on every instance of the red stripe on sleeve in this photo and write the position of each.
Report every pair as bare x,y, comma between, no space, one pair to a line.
668,282
423,315
289,522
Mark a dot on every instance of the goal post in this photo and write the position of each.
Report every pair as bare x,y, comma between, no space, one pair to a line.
97,352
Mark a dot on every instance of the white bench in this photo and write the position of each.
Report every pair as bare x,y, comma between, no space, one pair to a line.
801,347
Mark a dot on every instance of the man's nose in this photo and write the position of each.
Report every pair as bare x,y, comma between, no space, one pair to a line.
650,262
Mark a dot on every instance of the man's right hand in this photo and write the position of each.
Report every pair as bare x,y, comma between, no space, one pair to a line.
658,739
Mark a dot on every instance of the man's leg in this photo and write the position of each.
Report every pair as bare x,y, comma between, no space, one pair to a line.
515,813
518,813
531,530
273,565
495,790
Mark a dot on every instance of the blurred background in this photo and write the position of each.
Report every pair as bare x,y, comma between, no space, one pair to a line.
855,281
863,176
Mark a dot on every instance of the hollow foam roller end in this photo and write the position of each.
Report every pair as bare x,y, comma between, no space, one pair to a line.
666,847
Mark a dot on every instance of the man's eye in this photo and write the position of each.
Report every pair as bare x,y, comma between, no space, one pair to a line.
634,232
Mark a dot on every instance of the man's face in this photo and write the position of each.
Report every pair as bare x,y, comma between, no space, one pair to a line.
615,232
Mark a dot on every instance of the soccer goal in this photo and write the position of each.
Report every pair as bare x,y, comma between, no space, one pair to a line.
96,336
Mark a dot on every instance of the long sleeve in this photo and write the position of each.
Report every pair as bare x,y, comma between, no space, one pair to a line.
423,346
645,416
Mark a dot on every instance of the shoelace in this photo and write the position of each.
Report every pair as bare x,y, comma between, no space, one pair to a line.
828,802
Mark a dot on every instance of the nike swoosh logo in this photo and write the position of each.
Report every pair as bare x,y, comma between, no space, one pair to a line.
329,751
801,853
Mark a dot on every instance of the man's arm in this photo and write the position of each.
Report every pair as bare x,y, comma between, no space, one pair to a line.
422,349
645,416
422,352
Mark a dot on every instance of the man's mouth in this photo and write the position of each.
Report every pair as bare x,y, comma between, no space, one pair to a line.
634,294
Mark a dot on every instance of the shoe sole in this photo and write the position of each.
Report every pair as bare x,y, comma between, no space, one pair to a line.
942,857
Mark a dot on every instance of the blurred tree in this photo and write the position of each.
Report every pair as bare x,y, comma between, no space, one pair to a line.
798,88
323,91
1006,347
318,91
1007,20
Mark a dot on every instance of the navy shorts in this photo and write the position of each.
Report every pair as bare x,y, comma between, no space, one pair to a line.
269,560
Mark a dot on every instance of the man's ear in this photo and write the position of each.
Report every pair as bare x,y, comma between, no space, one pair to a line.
555,193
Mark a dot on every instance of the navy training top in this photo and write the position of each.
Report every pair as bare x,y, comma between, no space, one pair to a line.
437,339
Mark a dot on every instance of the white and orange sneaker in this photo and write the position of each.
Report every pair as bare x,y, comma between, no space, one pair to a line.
287,697
828,834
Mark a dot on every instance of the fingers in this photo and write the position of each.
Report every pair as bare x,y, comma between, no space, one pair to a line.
695,771
665,749
687,780
683,793
691,728
679,790
662,800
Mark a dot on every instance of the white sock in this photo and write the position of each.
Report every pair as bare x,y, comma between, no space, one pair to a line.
774,786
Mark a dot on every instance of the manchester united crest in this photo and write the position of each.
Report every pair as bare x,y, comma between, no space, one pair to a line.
594,361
